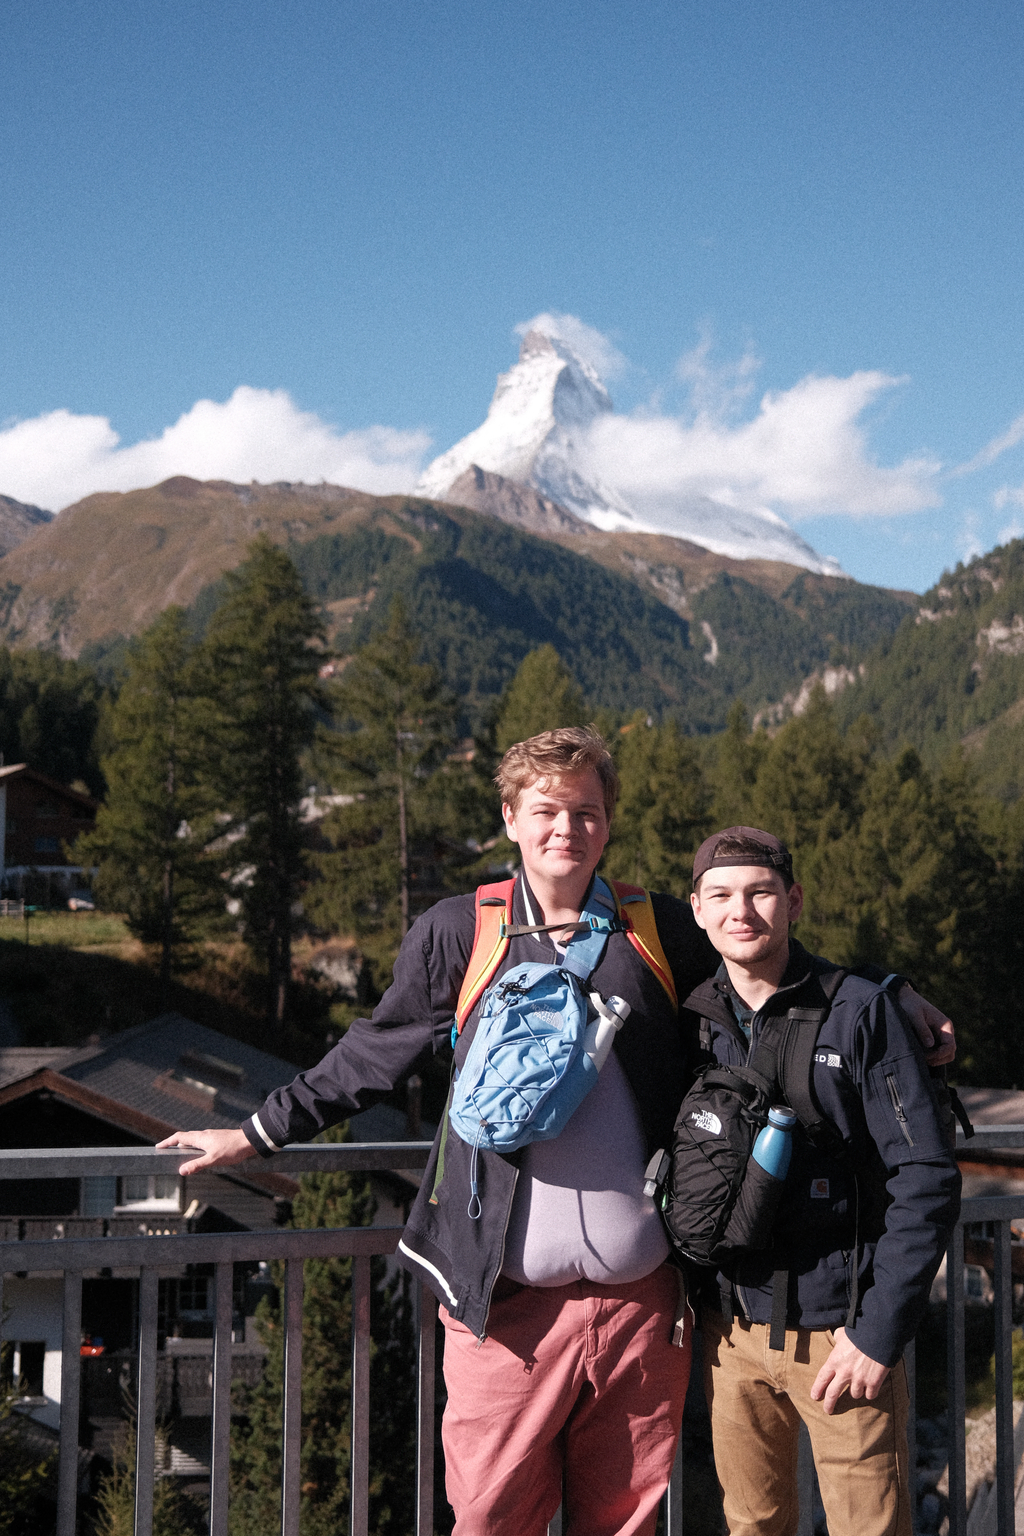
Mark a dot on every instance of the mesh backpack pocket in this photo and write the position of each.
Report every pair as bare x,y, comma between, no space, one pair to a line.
706,1202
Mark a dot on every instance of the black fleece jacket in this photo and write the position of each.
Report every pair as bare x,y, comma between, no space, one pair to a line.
460,1258
871,1080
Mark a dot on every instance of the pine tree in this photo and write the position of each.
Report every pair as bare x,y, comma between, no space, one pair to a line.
150,834
261,674
174,1513
396,723
738,757
331,1200
542,696
663,812
25,1475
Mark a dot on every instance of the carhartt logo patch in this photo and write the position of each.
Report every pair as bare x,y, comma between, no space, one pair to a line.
704,1120
828,1059
819,1189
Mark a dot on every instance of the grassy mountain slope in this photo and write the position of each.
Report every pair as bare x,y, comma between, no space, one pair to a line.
954,672
642,620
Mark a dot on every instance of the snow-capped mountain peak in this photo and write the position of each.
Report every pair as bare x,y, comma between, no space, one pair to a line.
534,433
537,432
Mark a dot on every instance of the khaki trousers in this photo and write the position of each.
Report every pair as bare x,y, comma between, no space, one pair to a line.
757,1398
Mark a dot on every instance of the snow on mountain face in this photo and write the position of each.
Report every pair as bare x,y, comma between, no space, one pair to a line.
536,433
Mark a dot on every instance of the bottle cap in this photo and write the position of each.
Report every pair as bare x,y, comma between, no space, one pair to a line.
782,1116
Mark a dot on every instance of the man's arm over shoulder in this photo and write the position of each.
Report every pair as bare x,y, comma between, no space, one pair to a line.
412,1021
922,1177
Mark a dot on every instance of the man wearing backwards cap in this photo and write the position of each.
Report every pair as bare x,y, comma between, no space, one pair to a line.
859,1234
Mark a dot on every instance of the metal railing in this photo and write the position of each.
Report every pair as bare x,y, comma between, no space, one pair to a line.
74,1257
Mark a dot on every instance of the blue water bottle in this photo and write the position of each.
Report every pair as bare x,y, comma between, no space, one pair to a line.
774,1145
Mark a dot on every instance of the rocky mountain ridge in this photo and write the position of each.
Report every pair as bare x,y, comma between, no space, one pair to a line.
536,434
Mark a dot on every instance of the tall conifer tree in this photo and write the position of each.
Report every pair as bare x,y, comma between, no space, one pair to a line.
261,675
663,811
396,723
542,696
151,833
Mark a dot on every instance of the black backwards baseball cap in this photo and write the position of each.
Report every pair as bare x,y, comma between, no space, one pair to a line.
768,851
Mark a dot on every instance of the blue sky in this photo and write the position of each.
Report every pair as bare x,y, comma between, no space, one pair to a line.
356,204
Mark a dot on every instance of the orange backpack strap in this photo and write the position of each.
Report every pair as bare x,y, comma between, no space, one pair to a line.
635,909
493,911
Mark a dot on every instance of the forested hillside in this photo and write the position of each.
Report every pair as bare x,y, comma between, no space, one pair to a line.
639,618
954,673
483,594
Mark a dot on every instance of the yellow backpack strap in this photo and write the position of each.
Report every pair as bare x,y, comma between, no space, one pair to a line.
493,911
634,907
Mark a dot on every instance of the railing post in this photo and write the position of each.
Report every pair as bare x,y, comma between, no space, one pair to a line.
910,1367
674,1495
1005,1463
70,1408
955,1382
291,1451
220,1435
426,1309
145,1417
360,1464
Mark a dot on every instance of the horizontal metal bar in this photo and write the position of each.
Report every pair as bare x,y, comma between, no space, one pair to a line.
300,1157
986,1136
991,1208
197,1248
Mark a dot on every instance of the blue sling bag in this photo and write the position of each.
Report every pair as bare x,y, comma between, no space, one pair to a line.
529,1068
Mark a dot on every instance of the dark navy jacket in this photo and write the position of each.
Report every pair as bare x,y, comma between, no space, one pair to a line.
459,1258
871,1080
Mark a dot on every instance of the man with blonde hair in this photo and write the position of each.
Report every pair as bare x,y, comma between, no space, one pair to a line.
558,1304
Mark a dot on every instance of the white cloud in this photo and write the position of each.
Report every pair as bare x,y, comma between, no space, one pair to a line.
589,344
258,434
804,453
1013,530
994,449
968,540
716,389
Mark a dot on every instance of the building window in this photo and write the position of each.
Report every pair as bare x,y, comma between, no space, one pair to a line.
98,1197
47,845
29,1359
150,1192
194,1296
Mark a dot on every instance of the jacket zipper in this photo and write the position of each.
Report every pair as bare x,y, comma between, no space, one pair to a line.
897,1105
501,1259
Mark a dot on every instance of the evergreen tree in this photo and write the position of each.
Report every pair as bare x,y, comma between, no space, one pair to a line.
330,1200
542,696
261,674
396,723
150,835
174,1513
51,716
737,761
25,1475
663,812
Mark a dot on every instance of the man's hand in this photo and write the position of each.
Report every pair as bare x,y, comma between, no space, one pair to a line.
219,1148
931,1027
847,1369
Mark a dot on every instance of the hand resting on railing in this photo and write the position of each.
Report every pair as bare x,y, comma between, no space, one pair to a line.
219,1148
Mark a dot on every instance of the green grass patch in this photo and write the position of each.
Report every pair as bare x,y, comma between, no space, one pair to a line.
75,930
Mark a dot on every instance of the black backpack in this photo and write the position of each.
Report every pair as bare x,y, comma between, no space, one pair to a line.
715,1199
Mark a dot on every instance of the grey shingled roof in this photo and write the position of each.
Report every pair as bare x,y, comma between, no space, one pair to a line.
126,1067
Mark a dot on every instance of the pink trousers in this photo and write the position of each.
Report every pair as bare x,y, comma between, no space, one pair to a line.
580,1381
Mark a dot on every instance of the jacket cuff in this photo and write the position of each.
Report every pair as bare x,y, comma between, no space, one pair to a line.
258,1138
